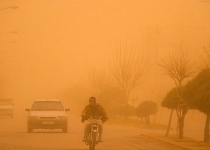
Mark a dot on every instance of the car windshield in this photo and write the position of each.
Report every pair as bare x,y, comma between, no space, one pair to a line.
47,105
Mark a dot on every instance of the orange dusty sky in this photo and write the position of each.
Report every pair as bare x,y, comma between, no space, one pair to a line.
59,41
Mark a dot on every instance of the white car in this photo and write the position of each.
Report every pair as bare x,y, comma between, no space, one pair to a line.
6,107
47,114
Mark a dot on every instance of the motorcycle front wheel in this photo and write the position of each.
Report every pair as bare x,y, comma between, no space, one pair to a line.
92,142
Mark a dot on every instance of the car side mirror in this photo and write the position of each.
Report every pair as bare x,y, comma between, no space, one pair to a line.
27,109
67,109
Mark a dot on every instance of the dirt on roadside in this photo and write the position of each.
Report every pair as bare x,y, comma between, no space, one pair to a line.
188,143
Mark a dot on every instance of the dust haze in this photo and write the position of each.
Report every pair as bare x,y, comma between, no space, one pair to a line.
48,48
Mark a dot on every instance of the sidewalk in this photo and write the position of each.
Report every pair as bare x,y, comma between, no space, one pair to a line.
187,143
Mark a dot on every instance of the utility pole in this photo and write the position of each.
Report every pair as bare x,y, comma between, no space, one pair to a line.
153,33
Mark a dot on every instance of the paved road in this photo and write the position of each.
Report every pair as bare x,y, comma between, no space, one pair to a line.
13,135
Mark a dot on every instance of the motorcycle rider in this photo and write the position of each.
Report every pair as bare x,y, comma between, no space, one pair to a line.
93,110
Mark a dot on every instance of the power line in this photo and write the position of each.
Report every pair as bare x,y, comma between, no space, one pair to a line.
10,7
12,32
205,0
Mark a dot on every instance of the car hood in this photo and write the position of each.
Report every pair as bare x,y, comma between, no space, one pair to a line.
47,113
6,106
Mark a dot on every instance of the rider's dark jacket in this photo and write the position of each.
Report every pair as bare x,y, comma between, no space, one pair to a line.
95,112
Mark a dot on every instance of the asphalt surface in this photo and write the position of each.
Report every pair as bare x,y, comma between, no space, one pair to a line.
13,136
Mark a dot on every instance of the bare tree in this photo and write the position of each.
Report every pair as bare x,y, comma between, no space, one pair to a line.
178,66
206,57
128,68
99,80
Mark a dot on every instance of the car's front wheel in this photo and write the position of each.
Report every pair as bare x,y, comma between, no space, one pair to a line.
65,128
29,129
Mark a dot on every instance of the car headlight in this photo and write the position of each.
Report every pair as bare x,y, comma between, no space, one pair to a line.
61,117
33,117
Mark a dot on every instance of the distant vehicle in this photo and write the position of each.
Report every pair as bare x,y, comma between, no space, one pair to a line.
47,114
6,107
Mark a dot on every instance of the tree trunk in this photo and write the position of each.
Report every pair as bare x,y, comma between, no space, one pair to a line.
206,130
147,119
169,123
181,126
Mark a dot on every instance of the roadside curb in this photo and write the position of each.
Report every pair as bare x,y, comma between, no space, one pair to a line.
155,137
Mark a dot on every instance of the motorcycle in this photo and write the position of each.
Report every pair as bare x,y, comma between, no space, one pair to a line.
93,133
